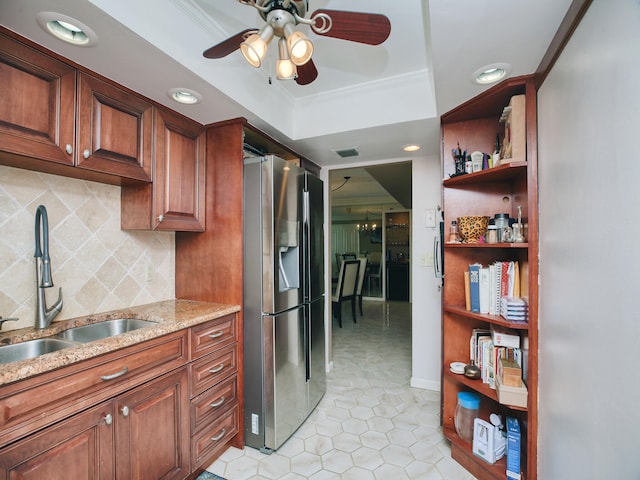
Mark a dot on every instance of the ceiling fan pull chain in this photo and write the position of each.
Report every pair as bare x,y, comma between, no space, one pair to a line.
321,23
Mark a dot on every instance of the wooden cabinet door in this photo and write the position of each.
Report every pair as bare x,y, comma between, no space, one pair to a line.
114,130
37,106
80,448
179,177
152,429
176,199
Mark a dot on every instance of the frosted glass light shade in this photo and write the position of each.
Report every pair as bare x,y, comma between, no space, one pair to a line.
300,47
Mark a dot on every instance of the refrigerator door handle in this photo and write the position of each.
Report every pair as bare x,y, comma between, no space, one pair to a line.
436,257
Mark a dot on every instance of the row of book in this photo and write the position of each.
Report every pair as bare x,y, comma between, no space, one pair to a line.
500,288
487,347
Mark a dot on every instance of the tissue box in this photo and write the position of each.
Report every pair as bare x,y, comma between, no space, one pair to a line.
513,449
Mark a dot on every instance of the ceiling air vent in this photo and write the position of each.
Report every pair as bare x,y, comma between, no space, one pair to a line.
349,152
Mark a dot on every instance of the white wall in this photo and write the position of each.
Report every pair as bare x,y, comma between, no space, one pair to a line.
589,123
426,330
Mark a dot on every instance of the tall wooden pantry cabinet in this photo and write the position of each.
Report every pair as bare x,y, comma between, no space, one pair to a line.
474,126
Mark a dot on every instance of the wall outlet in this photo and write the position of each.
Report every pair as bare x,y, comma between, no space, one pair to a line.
255,429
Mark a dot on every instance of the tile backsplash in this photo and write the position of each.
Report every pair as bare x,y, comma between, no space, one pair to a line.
98,266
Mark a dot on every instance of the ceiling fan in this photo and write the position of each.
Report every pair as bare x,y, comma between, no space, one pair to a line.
294,48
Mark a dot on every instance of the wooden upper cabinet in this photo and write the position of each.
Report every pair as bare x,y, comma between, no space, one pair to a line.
37,104
56,119
176,199
114,130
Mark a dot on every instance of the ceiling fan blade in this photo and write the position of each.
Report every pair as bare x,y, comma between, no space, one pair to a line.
369,28
229,45
307,73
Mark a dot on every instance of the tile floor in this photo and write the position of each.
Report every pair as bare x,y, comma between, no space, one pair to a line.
370,425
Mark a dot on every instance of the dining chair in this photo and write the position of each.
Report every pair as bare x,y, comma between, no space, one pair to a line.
362,272
346,289
377,277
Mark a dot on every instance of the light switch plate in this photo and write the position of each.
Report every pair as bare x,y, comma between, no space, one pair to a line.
430,218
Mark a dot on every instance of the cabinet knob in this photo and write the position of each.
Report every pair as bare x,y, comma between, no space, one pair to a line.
108,419
125,411
86,154
68,149
160,218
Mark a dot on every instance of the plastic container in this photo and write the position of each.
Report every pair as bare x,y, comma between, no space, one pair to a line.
467,410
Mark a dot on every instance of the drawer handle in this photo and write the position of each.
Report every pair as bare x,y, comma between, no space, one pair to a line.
217,403
114,375
217,369
217,334
219,436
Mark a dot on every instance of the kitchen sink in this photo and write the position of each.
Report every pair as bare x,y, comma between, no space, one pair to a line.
108,328
32,349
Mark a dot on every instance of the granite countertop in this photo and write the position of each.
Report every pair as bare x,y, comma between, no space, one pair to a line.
170,315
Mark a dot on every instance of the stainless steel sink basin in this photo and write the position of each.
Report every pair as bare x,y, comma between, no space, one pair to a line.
32,349
108,328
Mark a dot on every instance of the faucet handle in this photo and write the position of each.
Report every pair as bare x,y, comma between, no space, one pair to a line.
12,319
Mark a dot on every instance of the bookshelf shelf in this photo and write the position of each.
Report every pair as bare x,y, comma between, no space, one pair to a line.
492,319
523,246
461,450
502,189
478,386
497,174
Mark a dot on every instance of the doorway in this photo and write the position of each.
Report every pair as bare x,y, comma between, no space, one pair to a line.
364,201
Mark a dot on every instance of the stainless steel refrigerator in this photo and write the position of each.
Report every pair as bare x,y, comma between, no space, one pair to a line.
284,333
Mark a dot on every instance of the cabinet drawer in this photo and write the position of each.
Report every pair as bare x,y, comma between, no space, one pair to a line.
212,335
214,439
208,371
42,400
210,404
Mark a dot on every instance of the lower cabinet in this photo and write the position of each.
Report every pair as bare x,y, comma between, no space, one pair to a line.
142,434
161,409
80,447
152,429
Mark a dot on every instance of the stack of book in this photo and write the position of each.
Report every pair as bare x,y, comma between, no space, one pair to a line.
485,286
514,309
488,349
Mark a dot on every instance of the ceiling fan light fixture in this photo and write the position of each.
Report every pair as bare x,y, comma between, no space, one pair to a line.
254,48
285,68
300,47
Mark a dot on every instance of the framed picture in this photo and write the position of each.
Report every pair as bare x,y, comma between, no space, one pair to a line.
376,236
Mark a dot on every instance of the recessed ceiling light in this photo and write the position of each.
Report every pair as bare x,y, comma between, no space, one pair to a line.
184,95
411,148
491,73
67,29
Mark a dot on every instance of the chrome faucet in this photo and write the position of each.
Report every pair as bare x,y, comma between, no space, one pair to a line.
44,315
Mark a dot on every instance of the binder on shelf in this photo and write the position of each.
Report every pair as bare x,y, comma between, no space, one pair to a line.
467,293
484,290
474,286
